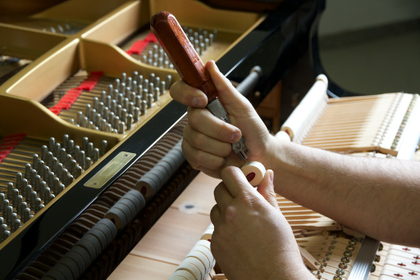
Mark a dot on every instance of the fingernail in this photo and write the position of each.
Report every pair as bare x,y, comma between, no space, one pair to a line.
271,176
198,102
235,136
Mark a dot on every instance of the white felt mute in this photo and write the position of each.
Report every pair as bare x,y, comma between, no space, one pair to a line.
254,171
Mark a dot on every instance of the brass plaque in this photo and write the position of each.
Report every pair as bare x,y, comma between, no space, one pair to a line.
109,170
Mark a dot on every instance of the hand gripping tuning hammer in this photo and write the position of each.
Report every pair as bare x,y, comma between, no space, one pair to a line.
190,67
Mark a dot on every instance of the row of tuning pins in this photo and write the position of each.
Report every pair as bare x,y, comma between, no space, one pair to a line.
199,38
122,104
62,28
51,171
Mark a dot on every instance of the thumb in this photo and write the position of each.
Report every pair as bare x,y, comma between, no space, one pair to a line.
266,188
233,101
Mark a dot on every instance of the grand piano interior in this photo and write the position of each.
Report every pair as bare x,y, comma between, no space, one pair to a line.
93,183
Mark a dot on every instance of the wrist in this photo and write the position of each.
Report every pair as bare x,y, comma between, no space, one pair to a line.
291,266
276,153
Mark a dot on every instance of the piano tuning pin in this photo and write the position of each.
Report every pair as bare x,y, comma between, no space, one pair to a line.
55,184
121,127
32,197
132,97
44,151
2,199
51,144
19,179
135,76
51,177
10,190
118,111
156,94
37,184
95,155
13,218
149,100
143,107
130,108
24,185
129,121
54,164
85,142
7,213
116,85
102,125
19,201
145,93
162,87
97,120
81,157
151,88
78,172
140,80
62,155
123,114
26,213
157,81
37,205
101,108
152,76
211,39
28,169
136,114
73,165
116,122
104,144
50,197
124,89
45,197
15,196
35,160
110,91
96,103
69,179
87,163
123,77
89,149
168,81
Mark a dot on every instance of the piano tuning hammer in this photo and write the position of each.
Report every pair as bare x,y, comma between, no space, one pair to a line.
190,67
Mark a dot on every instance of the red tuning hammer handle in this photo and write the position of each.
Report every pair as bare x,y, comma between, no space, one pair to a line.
182,54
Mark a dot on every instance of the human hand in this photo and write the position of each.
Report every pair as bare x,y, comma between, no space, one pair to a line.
207,139
252,239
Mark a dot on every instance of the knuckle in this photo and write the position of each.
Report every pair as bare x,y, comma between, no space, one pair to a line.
199,156
199,140
230,214
194,118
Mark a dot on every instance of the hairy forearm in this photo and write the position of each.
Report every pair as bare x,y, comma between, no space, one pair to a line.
378,197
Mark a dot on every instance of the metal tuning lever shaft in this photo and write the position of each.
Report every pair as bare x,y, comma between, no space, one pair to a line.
190,67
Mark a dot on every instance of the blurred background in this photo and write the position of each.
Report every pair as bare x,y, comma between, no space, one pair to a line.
372,46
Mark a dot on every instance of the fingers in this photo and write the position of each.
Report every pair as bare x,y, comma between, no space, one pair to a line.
189,96
199,158
205,143
222,196
235,181
203,121
233,101
215,215
266,188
